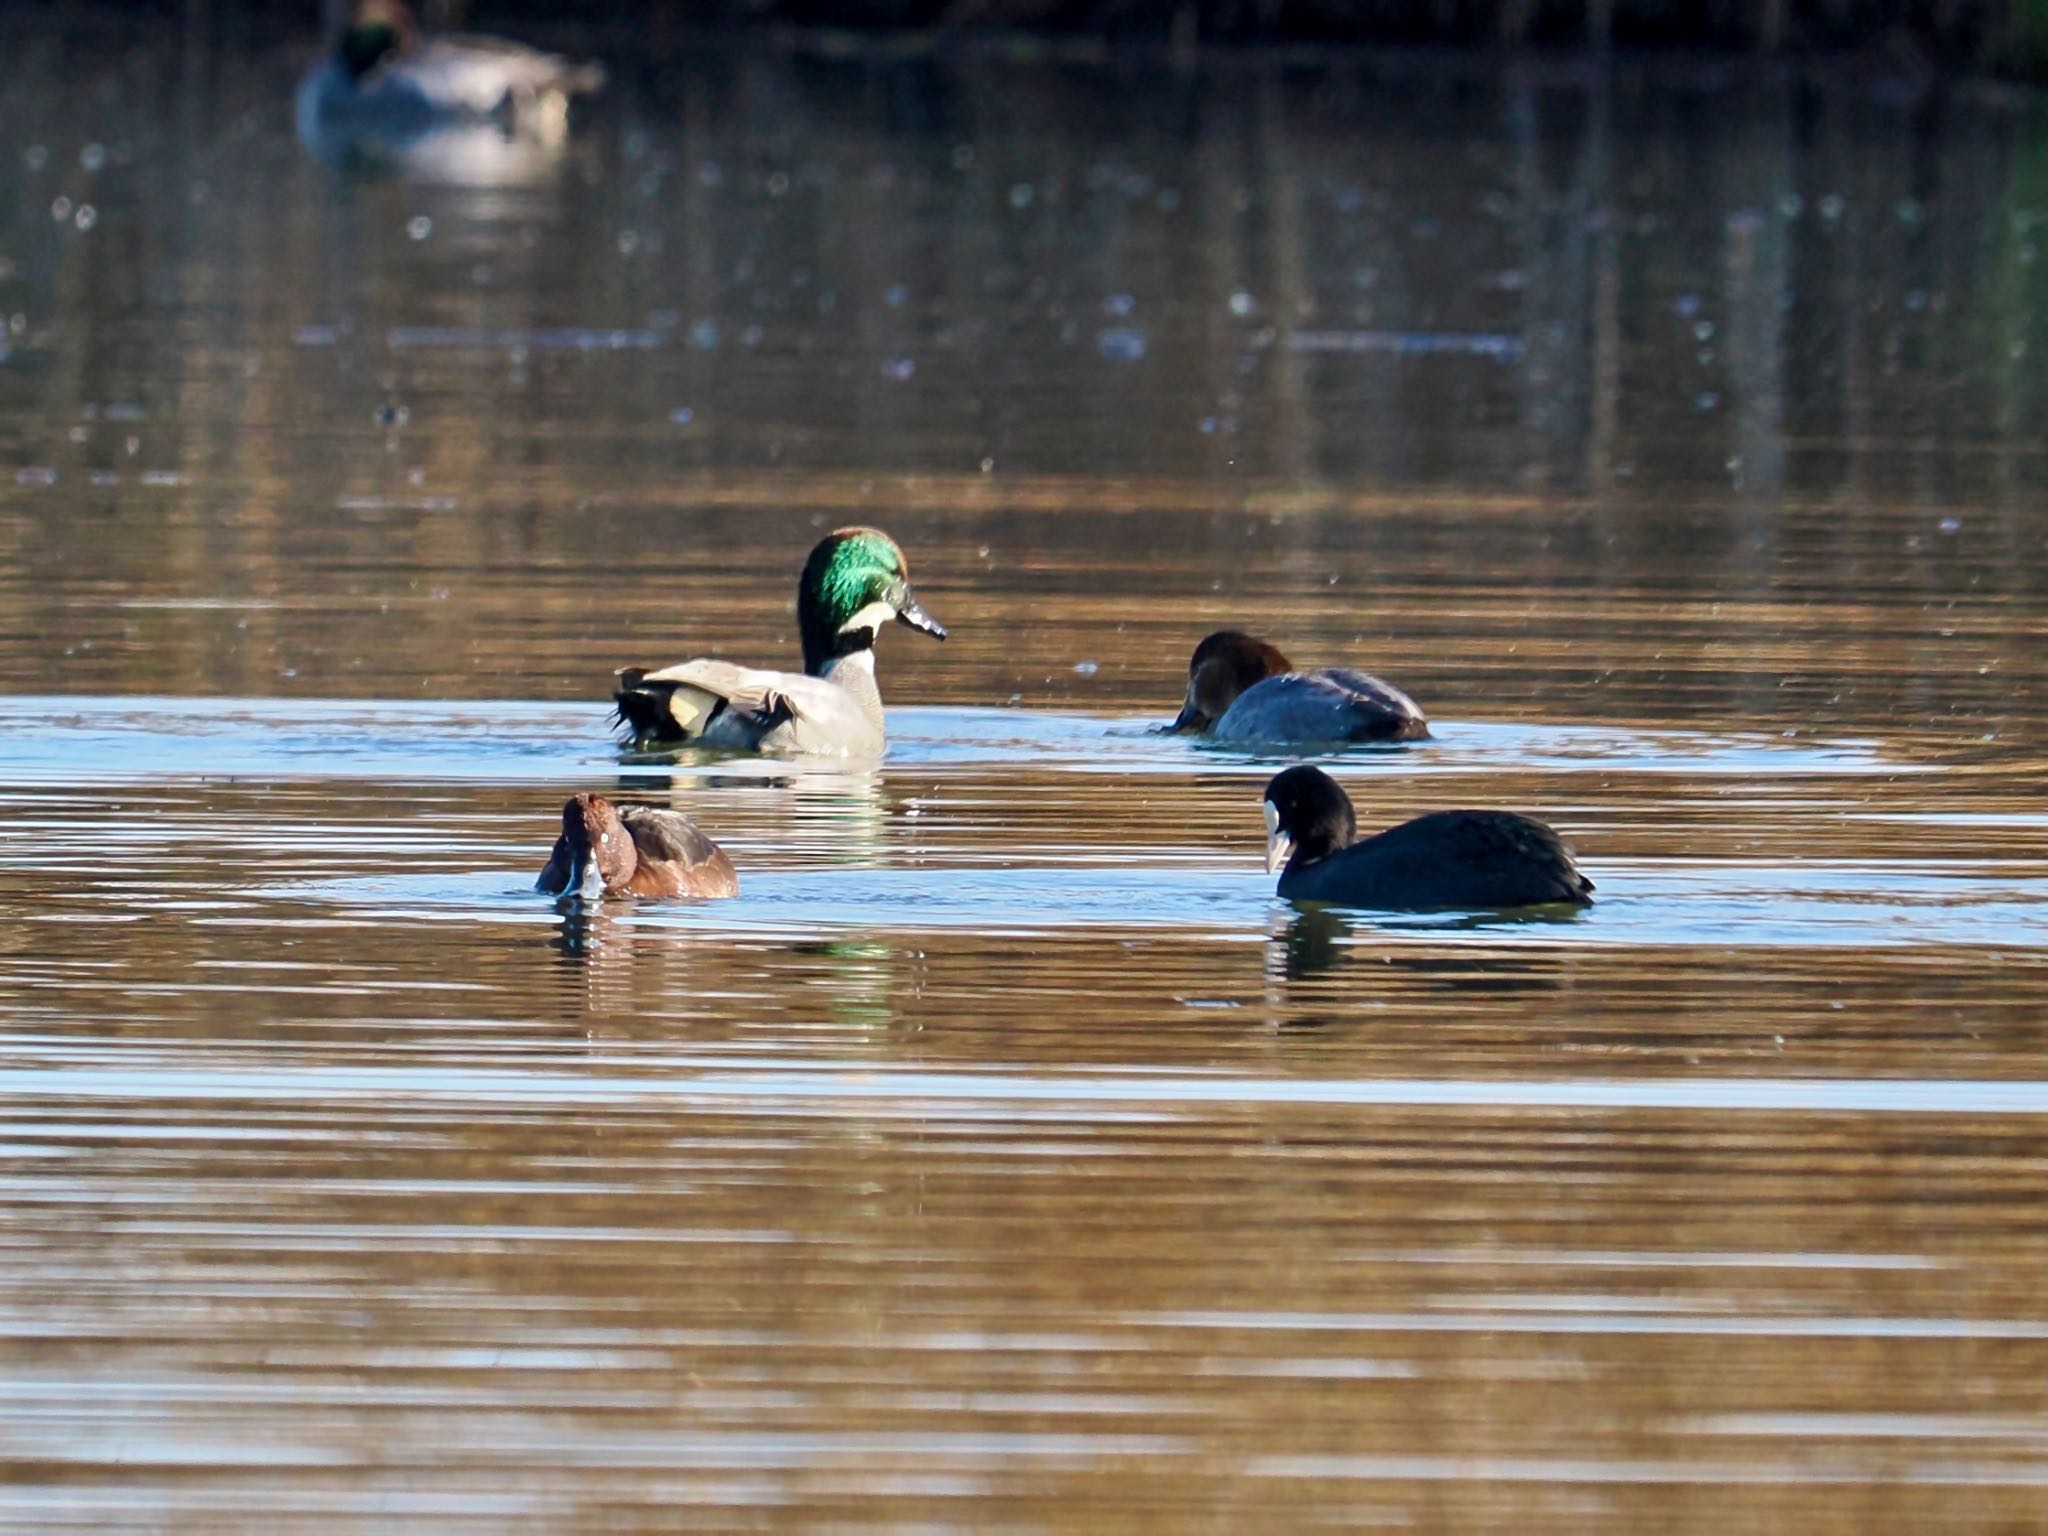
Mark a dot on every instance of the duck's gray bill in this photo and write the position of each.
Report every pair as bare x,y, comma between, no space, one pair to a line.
912,613
1279,849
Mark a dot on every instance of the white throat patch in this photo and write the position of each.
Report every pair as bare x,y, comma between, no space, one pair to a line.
875,616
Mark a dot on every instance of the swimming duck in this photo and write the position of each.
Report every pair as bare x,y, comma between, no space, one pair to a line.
1468,860
383,73
855,581
633,850
1242,689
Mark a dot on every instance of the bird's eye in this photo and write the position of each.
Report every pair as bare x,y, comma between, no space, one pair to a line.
604,837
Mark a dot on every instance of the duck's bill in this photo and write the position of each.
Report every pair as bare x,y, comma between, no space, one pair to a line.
910,611
1189,719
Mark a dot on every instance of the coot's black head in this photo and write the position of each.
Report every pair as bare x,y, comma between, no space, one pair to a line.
1223,666
1308,817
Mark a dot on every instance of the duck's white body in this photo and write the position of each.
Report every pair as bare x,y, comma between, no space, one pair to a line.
387,84
749,709
853,585
453,77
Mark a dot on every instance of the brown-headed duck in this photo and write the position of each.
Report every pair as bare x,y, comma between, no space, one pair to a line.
1240,688
633,850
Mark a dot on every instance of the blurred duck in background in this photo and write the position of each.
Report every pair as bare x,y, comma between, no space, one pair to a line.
387,86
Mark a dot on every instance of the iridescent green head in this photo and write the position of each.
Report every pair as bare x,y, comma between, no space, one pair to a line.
855,582
378,30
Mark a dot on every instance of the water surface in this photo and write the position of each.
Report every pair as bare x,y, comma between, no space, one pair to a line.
1006,1157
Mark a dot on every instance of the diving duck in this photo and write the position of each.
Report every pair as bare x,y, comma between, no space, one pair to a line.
1462,860
384,73
1242,689
633,850
855,581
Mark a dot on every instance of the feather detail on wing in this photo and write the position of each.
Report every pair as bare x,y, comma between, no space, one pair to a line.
667,835
1331,704
676,858
682,701
1368,690
767,696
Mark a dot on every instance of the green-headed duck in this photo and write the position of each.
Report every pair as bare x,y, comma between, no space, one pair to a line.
1242,689
633,850
1447,860
855,581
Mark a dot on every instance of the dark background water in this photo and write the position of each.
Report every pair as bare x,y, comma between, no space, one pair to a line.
1005,1157
1670,338
1892,39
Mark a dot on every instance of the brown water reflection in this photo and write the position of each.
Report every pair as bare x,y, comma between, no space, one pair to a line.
1004,1158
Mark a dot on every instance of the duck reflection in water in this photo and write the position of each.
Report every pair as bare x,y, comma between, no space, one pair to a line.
1311,942
587,929
631,976
830,809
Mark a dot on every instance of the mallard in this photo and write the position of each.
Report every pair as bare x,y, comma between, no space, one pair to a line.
855,581
1447,860
1242,689
633,850
385,74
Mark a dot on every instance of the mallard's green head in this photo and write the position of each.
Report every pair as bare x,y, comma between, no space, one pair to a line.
379,29
855,582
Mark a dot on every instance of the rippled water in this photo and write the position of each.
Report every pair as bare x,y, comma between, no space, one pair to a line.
1005,1157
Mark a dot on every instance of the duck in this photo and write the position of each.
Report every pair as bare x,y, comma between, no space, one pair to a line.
633,850
1447,860
1241,688
855,581
384,74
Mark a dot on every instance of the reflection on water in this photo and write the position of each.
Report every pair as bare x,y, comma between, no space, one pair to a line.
480,155
128,739
1006,1156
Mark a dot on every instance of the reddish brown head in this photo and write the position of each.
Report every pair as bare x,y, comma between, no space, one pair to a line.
1223,666
601,852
